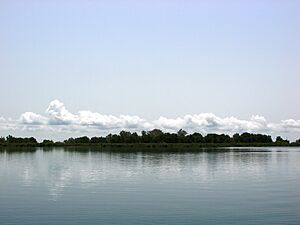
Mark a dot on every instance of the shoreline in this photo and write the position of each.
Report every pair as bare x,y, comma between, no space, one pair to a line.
154,145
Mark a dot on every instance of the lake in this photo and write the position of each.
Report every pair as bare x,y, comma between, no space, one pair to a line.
214,186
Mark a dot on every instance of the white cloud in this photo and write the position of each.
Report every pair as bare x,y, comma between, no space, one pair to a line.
58,119
97,119
285,126
134,122
32,118
291,123
208,122
58,114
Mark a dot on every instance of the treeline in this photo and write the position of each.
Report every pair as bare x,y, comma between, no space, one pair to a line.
10,140
158,136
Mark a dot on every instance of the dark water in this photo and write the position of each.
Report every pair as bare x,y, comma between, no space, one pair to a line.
236,186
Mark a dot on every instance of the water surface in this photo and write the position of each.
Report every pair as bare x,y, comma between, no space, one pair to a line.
232,186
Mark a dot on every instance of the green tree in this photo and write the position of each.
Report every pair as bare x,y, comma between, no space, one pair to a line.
156,135
47,143
281,140
181,133
196,138
2,140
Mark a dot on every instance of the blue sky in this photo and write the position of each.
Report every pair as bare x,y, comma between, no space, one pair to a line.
150,59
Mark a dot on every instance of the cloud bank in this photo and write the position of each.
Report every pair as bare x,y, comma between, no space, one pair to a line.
57,118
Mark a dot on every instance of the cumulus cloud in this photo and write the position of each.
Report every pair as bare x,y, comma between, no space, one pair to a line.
208,122
291,123
58,114
57,118
32,118
285,126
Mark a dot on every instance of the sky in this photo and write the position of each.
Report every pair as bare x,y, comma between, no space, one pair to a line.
72,68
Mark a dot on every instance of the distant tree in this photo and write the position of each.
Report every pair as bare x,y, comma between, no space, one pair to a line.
78,140
236,138
246,138
17,140
145,137
281,140
182,136
82,140
181,133
155,132
224,138
254,138
125,137
108,138
2,140
170,138
216,138
196,138
32,140
135,138
47,143
212,138
69,141
113,138
10,139
98,140
156,135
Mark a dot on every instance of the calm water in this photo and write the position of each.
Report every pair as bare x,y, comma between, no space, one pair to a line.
236,186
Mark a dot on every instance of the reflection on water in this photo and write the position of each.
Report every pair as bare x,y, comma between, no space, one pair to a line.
258,185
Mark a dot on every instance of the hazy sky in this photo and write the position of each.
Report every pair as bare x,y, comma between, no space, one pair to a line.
151,59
